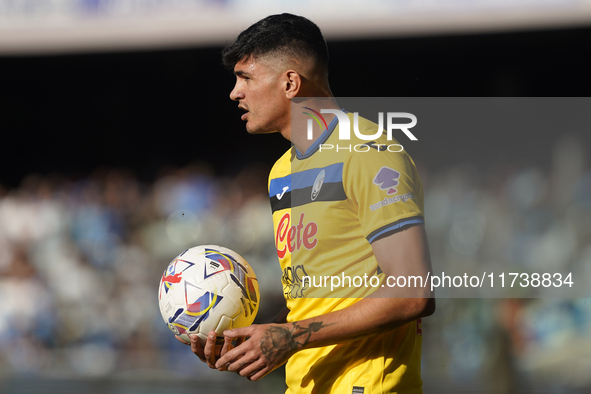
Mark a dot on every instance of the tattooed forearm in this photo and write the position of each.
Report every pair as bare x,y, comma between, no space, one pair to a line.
313,327
278,342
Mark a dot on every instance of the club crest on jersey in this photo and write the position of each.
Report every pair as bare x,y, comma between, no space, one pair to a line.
387,179
317,185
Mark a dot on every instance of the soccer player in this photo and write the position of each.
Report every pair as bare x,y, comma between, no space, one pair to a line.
336,214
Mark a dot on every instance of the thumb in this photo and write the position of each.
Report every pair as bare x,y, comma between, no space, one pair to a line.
238,332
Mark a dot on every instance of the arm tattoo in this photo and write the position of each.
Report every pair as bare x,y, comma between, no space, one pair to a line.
278,342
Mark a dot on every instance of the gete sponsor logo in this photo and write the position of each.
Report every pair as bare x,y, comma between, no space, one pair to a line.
292,238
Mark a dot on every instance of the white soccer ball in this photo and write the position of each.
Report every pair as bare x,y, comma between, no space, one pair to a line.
208,288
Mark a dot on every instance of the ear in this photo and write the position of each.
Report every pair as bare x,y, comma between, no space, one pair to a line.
293,83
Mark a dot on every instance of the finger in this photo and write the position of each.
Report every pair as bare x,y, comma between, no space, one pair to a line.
239,332
240,362
209,349
182,340
230,357
196,347
251,370
227,346
238,366
260,374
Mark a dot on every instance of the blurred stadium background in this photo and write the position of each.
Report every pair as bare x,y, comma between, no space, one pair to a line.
115,117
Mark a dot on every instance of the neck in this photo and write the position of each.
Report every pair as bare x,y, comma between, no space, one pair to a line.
302,111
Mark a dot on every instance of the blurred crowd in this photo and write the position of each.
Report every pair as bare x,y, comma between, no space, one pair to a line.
80,262
512,218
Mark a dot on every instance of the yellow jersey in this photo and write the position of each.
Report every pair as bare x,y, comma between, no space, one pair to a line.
329,204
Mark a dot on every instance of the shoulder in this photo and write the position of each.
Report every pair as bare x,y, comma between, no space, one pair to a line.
370,154
282,166
284,162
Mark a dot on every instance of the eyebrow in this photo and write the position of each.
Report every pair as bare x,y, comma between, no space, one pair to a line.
240,73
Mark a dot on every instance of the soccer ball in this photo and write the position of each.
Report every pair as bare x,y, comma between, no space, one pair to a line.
208,288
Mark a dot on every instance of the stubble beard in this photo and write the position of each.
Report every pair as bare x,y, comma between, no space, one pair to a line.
261,130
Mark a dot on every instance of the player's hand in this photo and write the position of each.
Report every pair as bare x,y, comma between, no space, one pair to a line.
209,352
268,347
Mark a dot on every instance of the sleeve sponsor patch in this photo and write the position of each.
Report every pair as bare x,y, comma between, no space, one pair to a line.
391,200
387,179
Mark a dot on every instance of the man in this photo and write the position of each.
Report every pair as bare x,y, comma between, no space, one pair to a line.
327,222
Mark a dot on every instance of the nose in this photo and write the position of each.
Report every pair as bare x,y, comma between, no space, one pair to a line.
236,94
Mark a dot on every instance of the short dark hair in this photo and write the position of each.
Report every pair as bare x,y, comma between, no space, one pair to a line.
284,34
